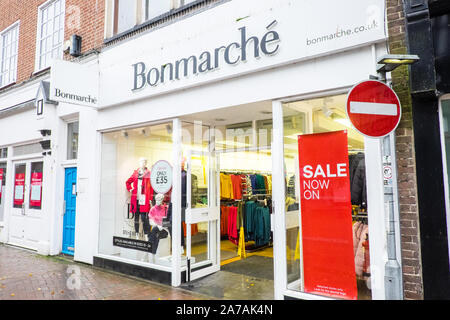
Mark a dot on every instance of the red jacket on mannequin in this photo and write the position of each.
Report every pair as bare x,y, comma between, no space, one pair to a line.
146,190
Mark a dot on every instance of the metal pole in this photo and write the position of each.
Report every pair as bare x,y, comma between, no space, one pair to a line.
393,274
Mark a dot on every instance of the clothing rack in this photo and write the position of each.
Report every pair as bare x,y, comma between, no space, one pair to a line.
246,172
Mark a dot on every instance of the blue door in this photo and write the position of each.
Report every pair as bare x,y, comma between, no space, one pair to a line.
70,200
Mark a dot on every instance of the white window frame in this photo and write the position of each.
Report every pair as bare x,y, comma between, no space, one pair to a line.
2,34
173,4
42,7
377,226
68,123
445,97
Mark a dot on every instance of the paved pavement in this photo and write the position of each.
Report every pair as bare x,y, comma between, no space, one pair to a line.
25,275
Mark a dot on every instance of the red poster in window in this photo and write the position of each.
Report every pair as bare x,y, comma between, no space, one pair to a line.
36,189
1,183
327,239
19,189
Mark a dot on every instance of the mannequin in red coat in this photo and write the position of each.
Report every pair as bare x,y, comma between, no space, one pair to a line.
141,194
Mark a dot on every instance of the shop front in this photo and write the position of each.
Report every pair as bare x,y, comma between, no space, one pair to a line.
228,150
23,173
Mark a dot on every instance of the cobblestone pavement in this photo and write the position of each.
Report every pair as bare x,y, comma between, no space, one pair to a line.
25,275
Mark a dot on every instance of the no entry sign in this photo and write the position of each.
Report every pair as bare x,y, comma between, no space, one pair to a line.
373,108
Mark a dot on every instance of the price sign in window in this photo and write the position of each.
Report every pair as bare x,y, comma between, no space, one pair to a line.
36,185
19,185
161,177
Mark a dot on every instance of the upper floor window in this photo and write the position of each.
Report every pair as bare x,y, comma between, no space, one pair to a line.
50,35
9,44
154,8
126,14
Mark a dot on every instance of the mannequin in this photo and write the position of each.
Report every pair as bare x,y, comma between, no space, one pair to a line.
158,212
156,216
141,194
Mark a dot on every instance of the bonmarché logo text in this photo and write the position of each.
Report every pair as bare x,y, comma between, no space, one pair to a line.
71,96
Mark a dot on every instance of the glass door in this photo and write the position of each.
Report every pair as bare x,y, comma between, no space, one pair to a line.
27,203
202,216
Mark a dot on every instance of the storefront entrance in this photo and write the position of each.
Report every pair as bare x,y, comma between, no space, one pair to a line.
189,202
70,199
238,196
26,204
202,216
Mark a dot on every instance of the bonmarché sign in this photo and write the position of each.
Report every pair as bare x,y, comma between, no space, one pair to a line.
74,83
75,98
236,40
230,54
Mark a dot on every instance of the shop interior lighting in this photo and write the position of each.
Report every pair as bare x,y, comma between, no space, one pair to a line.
390,62
344,122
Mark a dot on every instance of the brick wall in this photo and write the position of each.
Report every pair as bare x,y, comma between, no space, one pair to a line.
85,18
406,164
90,25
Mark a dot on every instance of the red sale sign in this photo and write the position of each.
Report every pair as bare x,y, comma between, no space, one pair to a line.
19,189
327,240
36,189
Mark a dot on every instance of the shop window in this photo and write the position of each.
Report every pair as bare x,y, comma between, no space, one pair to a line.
310,118
50,33
2,189
246,136
72,140
9,44
3,153
27,149
19,186
135,215
36,180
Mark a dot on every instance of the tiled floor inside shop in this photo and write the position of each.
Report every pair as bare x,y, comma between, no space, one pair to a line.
239,279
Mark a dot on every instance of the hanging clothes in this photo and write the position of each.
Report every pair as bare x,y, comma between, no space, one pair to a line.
194,229
357,173
262,226
232,225
236,182
226,186
224,220
361,248
291,187
250,211
248,185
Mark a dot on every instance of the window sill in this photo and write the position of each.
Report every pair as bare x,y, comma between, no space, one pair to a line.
41,71
6,86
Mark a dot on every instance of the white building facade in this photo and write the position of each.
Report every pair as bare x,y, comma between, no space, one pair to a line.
223,91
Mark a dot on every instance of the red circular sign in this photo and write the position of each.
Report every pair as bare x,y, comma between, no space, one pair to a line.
373,108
